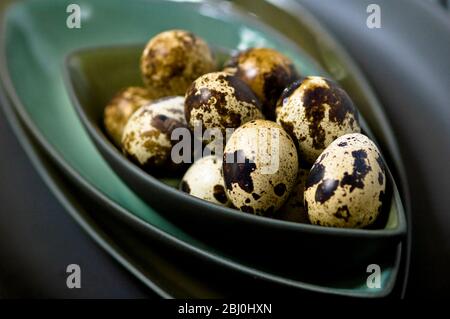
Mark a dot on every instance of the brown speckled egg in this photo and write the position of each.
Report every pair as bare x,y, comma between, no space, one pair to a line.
204,180
346,186
294,209
315,111
146,136
267,72
260,167
172,60
220,100
120,108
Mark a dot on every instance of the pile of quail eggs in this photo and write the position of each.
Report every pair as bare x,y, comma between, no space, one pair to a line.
296,153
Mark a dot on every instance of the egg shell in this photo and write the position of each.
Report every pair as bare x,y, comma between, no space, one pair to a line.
260,167
146,137
204,180
220,100
294,209
346,186
315,111
120,108
172,60
267,72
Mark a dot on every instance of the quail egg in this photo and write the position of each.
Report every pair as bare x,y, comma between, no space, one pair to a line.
315,111
204,180
120,108
346,186
220,100
172,60
260,167
294,209
146,137
267,72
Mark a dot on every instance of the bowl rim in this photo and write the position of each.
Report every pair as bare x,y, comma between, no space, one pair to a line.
101,139
22,113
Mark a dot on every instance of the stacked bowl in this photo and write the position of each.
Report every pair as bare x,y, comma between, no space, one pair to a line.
56,81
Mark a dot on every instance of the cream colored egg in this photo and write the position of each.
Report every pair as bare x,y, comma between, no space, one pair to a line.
204,180
260,167
172,60
315,111
346,186
147,135
220,100
120,108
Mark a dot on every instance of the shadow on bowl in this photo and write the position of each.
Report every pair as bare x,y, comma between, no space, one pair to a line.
300,251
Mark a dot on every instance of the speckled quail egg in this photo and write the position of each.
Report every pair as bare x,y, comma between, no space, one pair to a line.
204,180
120,108
294,209
315,111
146,137
346,186
220,100
267,72
260,167
172,60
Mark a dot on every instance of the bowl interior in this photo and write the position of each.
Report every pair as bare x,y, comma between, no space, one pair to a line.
36,41
87,70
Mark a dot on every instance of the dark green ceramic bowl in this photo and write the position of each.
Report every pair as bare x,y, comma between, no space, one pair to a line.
152,256
150,260
86,71
34,44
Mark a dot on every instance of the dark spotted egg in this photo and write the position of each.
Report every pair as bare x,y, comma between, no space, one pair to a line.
172,60
204,180
146,137
346,186
315,111
267,72
260,167
220,100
